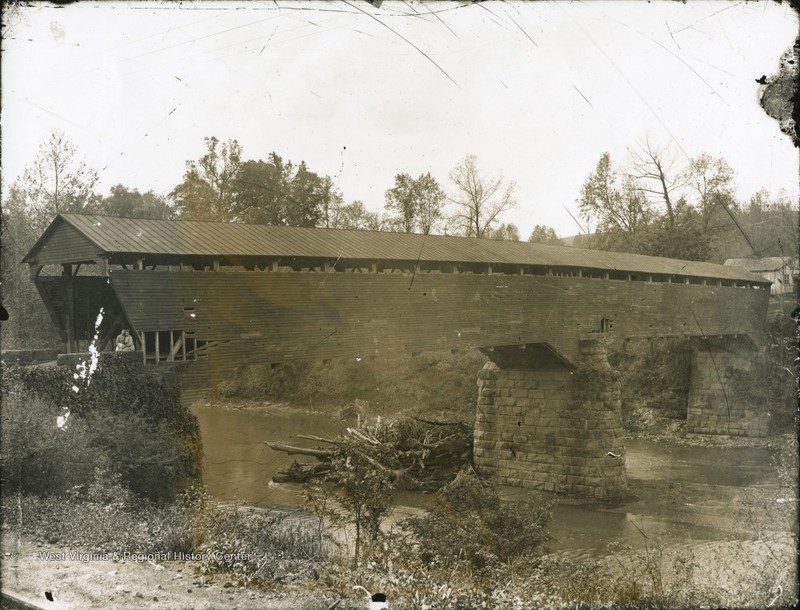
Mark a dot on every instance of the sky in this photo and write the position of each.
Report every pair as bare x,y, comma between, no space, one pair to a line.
538,91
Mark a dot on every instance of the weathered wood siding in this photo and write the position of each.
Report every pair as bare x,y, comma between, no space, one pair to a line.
276,317
66,245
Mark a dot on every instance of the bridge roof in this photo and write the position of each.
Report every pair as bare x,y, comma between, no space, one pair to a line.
183,238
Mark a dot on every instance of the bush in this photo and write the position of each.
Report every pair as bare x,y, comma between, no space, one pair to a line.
124,421
255,546
105,517
471,522
653,375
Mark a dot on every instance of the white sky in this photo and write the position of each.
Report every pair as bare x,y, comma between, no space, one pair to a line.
536,90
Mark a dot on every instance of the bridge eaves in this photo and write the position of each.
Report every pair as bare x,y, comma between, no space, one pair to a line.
163,242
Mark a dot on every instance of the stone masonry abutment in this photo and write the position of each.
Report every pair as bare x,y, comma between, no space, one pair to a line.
544,424
723,394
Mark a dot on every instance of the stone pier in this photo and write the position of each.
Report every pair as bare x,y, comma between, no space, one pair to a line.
723,397
546,424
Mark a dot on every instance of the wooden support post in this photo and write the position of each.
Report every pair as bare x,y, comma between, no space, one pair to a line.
140,264
183,345
374,268
215,264
69,305
143,339
104,267
455,269
176,345
158,355
274,266
489,269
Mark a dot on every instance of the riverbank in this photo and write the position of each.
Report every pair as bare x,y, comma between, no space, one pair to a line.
715,522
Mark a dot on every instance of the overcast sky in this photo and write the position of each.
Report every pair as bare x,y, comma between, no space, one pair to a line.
538,91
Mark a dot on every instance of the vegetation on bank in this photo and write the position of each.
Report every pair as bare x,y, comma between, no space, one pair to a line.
471,549
434,383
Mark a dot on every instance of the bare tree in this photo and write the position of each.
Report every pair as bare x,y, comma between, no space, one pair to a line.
654,171
478,200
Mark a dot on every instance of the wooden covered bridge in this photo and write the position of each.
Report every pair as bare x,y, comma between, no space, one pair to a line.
218,295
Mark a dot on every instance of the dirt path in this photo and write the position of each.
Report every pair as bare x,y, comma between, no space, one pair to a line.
108,584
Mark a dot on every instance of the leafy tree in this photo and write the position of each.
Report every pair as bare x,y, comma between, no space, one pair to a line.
55,182
711,182
469,522
363,491
277,192
356,216
417,203
504,232
261,188
479,201
542,234
331,201
127,203
402,200
305,198
614,202
207,190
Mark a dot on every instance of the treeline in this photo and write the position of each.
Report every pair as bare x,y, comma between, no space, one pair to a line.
649,206
655,206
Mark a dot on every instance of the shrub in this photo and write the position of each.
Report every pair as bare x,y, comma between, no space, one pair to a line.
125,422
105,516
470,522
255,546
38,457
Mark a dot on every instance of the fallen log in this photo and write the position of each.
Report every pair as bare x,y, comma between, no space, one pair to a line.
321,454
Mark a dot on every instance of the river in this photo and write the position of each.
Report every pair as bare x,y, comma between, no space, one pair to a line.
686,495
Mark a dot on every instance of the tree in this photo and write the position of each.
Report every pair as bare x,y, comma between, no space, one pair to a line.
402,200
542,234
331,201
656,176
478,200
207,190
304,198
127,203
277,192
417,203
615,203
504,232
356,216
711,181
55,182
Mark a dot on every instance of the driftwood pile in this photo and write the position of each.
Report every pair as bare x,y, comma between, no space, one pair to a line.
415,453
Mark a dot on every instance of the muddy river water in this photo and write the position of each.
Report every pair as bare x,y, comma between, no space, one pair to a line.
686,495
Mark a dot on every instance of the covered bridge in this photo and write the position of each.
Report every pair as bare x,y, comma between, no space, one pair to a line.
218,295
